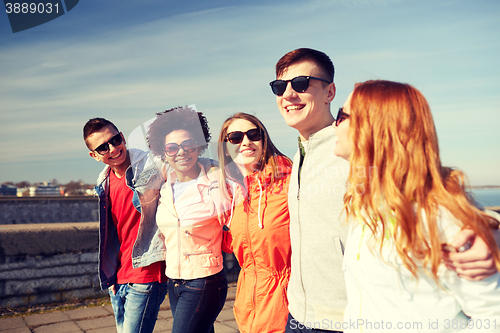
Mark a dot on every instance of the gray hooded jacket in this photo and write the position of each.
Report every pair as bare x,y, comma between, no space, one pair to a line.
316,292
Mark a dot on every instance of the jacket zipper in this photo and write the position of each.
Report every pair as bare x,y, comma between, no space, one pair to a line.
253,257
300,228
187,254
179,243
197,236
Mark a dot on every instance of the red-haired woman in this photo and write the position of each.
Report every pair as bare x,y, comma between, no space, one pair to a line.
403,206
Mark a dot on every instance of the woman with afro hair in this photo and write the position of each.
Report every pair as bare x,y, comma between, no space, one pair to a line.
190,215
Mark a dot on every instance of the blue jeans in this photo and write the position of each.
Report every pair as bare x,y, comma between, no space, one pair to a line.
294,326
136,306
196,303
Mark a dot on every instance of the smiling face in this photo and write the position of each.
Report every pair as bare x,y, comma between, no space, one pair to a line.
184,163
344,145
116,157
247,154
307,112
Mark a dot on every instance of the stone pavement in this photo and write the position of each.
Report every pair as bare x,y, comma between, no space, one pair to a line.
99,319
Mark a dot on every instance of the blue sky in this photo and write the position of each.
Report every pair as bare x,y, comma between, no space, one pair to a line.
126,60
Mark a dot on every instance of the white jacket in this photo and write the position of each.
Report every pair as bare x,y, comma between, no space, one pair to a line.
383,296
193,226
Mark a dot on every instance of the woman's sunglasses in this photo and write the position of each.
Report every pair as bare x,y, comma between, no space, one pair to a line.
236,137
104,148
299,84
341,116
189,146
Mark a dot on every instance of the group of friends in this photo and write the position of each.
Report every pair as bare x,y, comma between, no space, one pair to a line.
363,228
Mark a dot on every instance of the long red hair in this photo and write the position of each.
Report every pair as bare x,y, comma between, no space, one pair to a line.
396,175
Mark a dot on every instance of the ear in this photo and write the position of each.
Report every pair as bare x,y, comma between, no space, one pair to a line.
95,156
123,138
331,93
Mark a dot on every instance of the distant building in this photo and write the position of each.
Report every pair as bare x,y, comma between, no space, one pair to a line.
23,192
45,189
8,190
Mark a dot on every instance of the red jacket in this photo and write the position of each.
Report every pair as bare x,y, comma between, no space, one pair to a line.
260,240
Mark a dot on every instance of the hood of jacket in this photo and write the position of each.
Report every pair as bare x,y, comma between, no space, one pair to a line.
258,185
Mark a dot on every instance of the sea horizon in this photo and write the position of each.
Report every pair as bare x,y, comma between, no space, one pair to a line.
487,196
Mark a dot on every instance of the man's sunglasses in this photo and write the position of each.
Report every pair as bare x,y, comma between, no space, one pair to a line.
341,116
299,84
236,137
189,146
104,148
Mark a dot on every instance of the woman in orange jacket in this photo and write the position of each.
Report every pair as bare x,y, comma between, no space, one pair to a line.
257,175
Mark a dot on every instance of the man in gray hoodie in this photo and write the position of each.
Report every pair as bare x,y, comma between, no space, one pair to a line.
316,292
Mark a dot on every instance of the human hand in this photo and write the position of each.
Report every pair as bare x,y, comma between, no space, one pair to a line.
113,289
473,264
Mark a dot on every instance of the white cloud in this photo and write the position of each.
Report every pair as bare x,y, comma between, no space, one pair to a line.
222,60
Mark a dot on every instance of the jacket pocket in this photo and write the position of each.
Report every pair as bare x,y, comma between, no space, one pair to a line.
141,288
190,234
338,250
208,261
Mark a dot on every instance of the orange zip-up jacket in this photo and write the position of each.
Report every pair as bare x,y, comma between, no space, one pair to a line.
260,239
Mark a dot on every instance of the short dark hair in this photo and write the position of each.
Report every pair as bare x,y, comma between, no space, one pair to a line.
304,54
95,125
180,118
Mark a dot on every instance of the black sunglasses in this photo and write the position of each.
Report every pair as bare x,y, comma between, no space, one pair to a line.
299,84
104,148
341,116
236,137
189,146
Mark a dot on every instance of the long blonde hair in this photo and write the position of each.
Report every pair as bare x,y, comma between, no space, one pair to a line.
396,147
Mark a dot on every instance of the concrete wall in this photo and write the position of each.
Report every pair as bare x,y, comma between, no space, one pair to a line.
25,210
46,263
55,262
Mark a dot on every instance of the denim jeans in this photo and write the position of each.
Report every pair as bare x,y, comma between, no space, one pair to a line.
136,306
196,303
294,326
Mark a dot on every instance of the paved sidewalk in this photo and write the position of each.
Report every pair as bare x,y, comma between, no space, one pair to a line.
99,319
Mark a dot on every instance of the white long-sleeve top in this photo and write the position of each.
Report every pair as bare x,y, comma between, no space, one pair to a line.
383,296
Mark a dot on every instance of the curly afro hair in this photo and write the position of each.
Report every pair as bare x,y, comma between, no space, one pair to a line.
180,118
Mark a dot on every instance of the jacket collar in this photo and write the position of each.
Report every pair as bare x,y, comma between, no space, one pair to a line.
201,183
201,180
103,175
264,176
